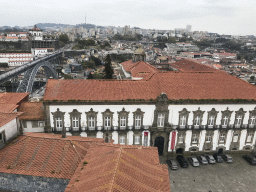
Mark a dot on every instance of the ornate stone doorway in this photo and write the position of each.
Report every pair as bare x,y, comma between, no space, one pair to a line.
159,143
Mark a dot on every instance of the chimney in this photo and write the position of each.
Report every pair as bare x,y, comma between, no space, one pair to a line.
64,132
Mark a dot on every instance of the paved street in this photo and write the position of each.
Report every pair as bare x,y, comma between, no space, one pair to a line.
221,177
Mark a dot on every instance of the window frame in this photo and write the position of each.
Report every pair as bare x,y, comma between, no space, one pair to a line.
107,113
123,116
183,113
160,119
61,115
138,113
91,114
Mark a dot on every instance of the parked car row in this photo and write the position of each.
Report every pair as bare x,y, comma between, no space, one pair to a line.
201,159
250,159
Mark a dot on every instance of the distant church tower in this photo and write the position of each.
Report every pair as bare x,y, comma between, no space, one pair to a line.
139,55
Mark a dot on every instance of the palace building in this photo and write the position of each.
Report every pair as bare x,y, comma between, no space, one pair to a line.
176,111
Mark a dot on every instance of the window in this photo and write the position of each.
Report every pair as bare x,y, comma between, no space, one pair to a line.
197,121
211,121
194,138
91,122
34,124
181,139
122,121
137,140
107,122
75,123
225,121
137,121
92,119
208,138
160,120
252,121
107,119
235,138
238,120
122,140
249,138
41,124
222,137
24,123
58,123
183,121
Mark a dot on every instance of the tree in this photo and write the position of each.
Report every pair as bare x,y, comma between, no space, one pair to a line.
63,38
108,69
90,76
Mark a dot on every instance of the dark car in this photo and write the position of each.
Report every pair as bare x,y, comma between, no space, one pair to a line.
210,159
227,158
250,159
172,163
182,161
218,157
202,160
194,162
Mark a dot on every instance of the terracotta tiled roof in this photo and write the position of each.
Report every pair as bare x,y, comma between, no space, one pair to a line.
188,65
44,155
13,98
7,117
128,65
177,85
8,108
31,111
120,168
141,68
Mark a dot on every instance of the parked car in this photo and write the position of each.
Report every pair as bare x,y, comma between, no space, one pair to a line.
227,158
218,157
210,159
172,163
250,159
194,162
182,161
202,160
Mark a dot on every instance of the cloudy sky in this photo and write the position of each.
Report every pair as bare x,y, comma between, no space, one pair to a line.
235,17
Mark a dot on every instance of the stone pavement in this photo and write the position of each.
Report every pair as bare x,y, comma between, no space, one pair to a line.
221,177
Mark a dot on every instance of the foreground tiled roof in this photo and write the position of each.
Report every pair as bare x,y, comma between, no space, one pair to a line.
45,155
184,65
7,117
12,98
120,168
177,85
8,108
31,111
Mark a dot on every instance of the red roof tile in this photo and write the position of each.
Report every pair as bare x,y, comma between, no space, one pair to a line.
31,111
13,98
44,155
188,65
120,168
177,85
7,117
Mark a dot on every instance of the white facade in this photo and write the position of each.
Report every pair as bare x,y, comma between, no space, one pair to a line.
33,126
17,59
9,130
231,141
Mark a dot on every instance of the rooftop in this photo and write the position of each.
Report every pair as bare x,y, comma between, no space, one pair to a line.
120,168
32,111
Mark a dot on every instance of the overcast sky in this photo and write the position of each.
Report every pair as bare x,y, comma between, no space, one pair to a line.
235,17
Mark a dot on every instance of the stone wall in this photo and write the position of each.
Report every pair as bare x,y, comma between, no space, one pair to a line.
16,182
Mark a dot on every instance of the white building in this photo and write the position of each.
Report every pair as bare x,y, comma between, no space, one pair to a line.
36,33
16,59
175,111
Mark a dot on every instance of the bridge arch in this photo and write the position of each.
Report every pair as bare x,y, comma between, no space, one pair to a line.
27,83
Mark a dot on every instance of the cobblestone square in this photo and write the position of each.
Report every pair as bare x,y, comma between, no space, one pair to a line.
220,177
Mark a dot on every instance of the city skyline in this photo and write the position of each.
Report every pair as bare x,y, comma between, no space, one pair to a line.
223,17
